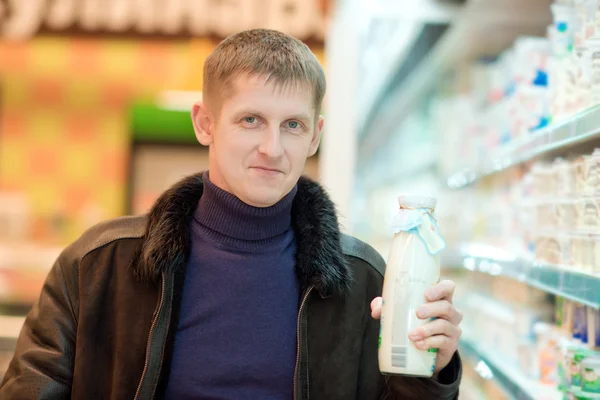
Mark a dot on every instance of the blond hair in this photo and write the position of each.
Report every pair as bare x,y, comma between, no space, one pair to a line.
263,52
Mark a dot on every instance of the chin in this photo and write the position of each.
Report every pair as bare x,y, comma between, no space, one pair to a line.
263,202
263,197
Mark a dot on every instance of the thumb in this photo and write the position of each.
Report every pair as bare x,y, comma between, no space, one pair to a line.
376,307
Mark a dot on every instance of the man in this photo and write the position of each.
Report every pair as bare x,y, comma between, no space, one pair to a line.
238,284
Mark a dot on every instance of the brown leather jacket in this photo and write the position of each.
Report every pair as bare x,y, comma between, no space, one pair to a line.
104,324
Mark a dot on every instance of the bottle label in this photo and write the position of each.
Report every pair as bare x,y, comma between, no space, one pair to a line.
430,234
400,327
399,356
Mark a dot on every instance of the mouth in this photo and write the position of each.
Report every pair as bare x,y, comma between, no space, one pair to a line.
267,170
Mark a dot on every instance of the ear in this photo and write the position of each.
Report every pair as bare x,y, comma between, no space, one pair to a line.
201,118
316,139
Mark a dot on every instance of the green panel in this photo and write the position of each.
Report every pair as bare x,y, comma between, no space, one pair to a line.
150,123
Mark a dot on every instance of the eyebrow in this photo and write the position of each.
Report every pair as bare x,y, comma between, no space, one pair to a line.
302,117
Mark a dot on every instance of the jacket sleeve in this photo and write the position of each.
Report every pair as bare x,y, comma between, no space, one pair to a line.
42,366
443,387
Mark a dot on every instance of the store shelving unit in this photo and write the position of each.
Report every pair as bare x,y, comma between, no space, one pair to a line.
490,366
579,287
579,129
481,28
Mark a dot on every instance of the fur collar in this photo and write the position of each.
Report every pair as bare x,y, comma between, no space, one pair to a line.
319,257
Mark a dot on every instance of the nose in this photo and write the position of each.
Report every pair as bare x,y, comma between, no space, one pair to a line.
270,144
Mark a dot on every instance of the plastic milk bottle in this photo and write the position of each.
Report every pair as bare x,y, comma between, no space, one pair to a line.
412,267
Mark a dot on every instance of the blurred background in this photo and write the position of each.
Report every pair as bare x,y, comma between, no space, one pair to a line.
489,105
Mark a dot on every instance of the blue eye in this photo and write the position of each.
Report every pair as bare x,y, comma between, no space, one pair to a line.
293,124
250,120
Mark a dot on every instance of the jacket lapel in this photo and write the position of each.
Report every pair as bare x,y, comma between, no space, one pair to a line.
319,257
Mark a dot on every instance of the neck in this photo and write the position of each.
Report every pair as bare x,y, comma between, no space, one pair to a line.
226,214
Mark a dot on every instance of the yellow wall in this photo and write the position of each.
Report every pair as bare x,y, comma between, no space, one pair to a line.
64,121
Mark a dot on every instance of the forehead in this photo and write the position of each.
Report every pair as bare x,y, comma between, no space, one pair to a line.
260,91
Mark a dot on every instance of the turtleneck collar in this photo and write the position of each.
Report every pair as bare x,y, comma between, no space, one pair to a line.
226,214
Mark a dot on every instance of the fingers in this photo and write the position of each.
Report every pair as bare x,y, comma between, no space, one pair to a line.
440,342
443,290
436,327
376,307
440,309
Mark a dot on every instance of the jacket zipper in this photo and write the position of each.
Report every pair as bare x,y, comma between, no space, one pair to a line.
162,354
298,341
150,336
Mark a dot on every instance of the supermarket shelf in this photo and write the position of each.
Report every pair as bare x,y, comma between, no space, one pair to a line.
393,28
579,287
481,28
514,383
581,128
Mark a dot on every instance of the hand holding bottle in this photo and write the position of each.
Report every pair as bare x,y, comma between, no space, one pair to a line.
443,332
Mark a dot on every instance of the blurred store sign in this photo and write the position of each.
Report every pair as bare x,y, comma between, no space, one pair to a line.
22,19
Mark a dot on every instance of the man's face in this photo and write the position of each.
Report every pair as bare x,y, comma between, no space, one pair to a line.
259,138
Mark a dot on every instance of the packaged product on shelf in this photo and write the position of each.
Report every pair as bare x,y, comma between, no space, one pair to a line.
590,375
583,78
528,102
547,216
548,354
566,214
588,215
550,250
566,251
581,168
597,16
563,35
579,367
574,352
592,171
574,358
565,176
593,317
585,11
529,359
564,69
580,327
594,55
560,313
544,179
584,254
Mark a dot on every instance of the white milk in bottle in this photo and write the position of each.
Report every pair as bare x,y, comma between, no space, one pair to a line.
412,267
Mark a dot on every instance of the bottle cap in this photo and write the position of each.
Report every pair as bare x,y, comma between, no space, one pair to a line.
415,201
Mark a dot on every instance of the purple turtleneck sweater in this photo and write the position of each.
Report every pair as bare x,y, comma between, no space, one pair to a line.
236,337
